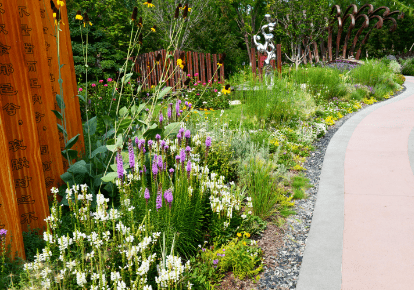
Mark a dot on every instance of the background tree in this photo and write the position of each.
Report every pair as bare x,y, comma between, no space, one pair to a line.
299,24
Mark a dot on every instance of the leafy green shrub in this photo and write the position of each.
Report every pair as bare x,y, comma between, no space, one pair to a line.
220,161
370,74
33,242
408,67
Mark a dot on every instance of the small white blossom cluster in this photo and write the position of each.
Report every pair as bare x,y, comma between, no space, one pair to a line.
74,260
170,275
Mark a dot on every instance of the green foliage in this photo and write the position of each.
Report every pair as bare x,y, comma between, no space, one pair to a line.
11,269
33,242
220,161
299,184
408,67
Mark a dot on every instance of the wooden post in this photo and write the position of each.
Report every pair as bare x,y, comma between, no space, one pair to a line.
215,72
221,71
42,96
259,56
196,70
253,54
203,68
208,64
9,211
190,63
279,58
18,114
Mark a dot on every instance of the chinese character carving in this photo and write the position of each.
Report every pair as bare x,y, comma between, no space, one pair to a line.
39,116
22,183
28,48
1,10
32,66
4,49
52,78
37,98
25,30
18,164
23,12
45,29
44,149
11,109
42,13
49,182
7,89
20,122
28,217
47,46
49,61
34,83
16,145
46,166
6,69
25,199
3,29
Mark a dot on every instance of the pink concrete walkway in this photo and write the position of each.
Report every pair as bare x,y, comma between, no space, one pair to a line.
378,241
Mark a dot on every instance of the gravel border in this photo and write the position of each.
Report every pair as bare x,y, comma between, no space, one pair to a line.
288,262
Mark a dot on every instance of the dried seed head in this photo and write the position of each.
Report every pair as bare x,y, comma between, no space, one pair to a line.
52,5
222,58
140,38
158,58
140,22
86,17
182,56
187,81
134,13
227,87
177,11
185,13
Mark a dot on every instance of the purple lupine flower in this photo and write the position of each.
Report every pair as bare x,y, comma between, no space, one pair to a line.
157,137
188,168
182,156
160,163
168,196
171,170
131,154
161,119
120,165
147,194
158,201
150,143
187,150
145,169
179,136
187,134
208,142
154,168
177,159
169,113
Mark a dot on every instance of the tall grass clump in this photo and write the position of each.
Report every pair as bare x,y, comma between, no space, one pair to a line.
370,74
324,83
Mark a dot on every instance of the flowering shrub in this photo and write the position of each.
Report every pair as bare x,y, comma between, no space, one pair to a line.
206,95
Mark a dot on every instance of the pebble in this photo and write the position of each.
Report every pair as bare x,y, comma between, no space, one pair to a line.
289,258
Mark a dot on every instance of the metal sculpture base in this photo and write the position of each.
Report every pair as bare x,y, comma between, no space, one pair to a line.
269,75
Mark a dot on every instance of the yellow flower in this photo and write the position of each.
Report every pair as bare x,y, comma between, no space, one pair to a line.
239,234
184,108
206,112
226,90
149,4
180,63
247,234
60,3
211,109
79,15
153,28
244,243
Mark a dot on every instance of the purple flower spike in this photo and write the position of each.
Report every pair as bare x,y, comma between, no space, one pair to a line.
177,159
155,169
187,134
3,232
131,155
159,200
182,156
179,136
150,143
166,147
147,194
188,149
177,108
169,113
188,168
160,163
171,170
181,131
186,103
136,141
157,137
120,165
162,144
161,119
208,142
168,196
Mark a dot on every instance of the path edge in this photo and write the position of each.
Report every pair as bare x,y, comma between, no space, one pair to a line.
321,267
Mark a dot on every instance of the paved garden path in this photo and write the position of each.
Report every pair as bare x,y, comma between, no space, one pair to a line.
362,232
